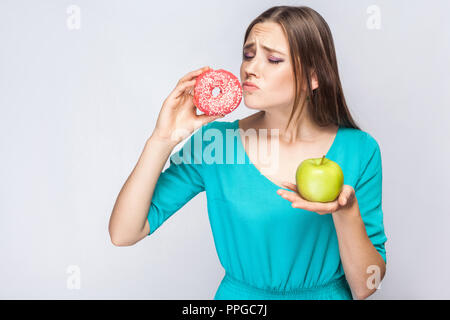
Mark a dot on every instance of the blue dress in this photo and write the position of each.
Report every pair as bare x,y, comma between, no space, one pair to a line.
269,249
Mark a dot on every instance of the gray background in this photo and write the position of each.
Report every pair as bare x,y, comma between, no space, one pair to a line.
78,105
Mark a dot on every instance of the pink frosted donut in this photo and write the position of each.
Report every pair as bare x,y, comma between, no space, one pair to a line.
226,101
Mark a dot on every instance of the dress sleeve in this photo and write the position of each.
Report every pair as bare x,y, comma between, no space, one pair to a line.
368,191
179,183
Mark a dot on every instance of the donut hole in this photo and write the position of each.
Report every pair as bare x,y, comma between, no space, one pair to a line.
216,92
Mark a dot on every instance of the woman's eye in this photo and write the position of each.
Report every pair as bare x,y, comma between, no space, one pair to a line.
246,57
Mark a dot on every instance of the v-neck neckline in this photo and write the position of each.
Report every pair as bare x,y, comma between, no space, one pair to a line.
241,145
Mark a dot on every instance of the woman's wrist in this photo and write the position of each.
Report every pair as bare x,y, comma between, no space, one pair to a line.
162,142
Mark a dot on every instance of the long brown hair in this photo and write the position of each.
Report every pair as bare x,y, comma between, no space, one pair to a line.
311,49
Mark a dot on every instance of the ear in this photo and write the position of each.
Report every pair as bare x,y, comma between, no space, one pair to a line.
314,82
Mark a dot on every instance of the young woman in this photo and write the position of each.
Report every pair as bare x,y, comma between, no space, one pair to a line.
272,243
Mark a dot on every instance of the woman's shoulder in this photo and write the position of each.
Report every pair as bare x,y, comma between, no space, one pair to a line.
357,137
217,126
358,153
363,147
216,129
220,124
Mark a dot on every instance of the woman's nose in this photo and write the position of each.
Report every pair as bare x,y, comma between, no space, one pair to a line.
251,68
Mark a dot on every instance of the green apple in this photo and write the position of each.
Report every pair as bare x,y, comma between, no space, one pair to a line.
319,179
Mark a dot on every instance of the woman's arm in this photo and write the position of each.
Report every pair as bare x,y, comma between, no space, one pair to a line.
176,120
128,223
357,252
360,228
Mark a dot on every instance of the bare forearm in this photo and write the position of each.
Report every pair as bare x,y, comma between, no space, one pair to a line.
131,207
356,250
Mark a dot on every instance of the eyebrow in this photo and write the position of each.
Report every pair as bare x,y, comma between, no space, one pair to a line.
252,44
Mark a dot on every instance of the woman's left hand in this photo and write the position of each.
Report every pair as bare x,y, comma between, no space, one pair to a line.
344,200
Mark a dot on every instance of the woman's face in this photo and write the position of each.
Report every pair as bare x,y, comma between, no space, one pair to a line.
271,71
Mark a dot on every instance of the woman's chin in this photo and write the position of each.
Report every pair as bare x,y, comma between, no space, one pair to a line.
253,106
256,108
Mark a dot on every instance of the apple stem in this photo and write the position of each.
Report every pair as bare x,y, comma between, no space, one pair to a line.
321,161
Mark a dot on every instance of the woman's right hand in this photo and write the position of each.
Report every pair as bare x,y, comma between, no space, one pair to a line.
178,118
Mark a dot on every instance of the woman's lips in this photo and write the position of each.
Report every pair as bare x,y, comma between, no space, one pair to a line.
250,88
